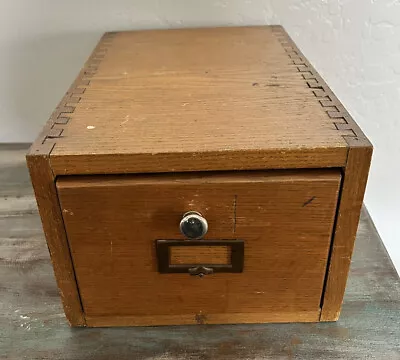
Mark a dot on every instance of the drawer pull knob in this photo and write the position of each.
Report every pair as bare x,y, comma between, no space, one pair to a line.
200,271
193,225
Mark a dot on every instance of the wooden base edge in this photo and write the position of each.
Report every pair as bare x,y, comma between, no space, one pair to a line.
330,317
202,319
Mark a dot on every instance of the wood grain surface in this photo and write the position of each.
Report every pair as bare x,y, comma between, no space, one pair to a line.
53,226
33,324
200,255
352,195
195,99
203,319
199,99
285,219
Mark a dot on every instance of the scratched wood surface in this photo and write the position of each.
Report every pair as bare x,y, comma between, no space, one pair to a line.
33,326
114,255
149,101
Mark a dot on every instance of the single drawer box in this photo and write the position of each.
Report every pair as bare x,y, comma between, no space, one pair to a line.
200,176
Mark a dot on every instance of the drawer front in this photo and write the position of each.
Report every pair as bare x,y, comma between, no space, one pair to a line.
284,219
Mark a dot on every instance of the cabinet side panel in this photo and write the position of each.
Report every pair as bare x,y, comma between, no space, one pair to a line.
355,180
53,226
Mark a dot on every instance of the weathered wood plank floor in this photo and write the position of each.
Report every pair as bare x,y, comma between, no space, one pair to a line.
32,324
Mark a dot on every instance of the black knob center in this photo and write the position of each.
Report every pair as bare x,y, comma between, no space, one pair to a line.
193,225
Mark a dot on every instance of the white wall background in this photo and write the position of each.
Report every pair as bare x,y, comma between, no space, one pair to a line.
355,45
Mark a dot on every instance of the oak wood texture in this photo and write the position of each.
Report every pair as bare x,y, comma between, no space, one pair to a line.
33,325
200,255
353,187
352,196
203,319
323,94
194,100
53,226
284,218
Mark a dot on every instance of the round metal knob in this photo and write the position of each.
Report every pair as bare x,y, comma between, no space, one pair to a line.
193,225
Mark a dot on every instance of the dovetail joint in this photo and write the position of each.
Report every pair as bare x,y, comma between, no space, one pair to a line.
62,115
341,119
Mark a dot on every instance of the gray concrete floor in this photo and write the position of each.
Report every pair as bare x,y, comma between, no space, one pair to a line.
32,323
